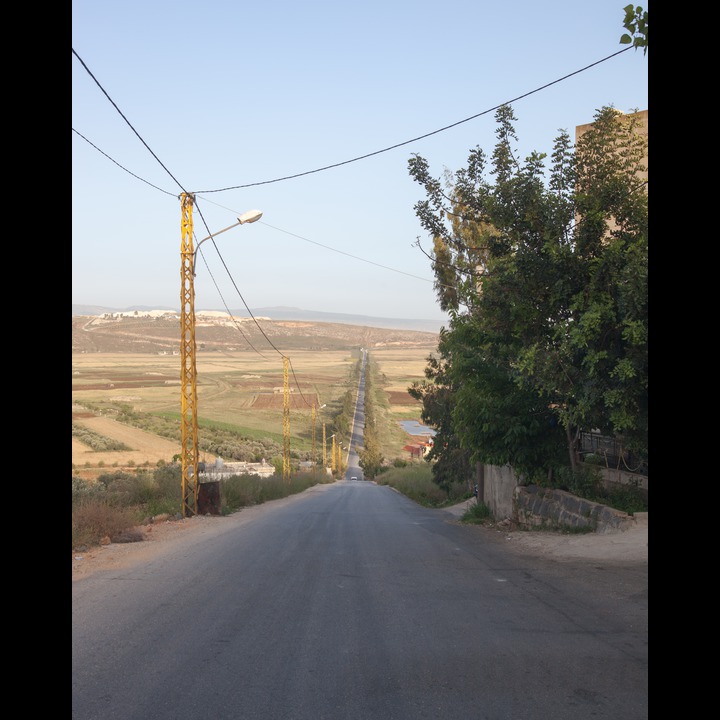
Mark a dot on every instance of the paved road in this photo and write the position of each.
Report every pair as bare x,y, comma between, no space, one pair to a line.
352,602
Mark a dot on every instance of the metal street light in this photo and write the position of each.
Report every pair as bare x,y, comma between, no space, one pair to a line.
324,451
188,372
250,216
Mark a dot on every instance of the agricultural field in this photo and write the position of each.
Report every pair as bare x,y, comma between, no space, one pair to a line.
237,389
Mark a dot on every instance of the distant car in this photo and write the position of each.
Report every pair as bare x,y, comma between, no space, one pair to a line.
353,478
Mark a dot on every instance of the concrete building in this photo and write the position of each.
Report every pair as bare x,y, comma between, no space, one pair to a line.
220,469
642,128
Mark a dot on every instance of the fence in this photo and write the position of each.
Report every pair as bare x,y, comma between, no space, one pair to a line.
612,452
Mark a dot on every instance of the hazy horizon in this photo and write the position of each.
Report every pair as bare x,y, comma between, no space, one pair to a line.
281,313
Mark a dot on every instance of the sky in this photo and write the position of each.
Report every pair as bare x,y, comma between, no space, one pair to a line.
310,113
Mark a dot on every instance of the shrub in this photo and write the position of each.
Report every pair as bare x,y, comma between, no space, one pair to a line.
477,513
84,489
629,498
125,489
94,518
587,482
168,479
239,491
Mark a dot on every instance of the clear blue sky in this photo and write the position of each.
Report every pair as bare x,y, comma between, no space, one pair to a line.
227,94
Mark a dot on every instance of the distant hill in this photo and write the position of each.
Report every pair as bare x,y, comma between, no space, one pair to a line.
158,331
287,313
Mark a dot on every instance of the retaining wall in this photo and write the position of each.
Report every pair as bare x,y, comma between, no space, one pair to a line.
533,506
544,507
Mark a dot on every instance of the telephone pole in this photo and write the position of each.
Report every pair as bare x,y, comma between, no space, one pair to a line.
286,421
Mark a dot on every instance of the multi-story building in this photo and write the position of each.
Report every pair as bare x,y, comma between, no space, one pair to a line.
642,128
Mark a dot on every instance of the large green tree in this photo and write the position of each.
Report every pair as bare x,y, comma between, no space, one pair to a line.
544,273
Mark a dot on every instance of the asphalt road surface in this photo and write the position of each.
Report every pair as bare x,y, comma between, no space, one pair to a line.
351,602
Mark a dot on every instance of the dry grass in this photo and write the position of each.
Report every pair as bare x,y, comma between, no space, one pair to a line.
95,520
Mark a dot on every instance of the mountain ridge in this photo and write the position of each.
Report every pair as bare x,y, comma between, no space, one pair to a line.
285,313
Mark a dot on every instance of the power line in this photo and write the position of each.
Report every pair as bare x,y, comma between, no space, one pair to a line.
360,157
332,249
342,252
87,69
121,167
420,137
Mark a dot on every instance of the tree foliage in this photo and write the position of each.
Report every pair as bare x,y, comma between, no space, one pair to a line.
450,461
543,272
636,23
370,458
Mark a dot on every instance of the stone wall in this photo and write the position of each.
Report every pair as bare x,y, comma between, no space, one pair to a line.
532,506
543,507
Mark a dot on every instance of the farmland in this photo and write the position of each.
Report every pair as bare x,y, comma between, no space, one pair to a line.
237,389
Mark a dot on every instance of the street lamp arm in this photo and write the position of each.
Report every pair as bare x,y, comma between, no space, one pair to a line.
250,216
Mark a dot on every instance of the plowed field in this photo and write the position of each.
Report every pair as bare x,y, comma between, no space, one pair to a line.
146,447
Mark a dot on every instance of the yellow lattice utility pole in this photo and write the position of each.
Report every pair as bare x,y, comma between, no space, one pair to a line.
312,456
332,455
286,421
188,371
324,451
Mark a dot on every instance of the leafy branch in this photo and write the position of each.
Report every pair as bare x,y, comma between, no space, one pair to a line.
636,23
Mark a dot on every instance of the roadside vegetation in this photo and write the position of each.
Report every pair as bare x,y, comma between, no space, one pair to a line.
112,507
416,482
